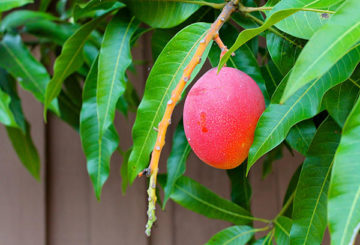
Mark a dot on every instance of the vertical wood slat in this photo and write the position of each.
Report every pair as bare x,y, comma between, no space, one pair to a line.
22,198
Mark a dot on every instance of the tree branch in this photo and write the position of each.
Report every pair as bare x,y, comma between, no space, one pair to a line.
229,8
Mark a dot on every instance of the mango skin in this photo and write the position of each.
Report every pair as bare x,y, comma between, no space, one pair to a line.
220,116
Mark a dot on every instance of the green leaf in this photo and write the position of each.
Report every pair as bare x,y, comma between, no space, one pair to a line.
283,52
22,17
240,186
304,24
243,60
44,4
282,230
163,78
9,4
6,115
25,149
114,59
275,17
176,163
166,14
344,192
159,39
50,31
276,121
98,150
20,136
326,47
19,62
11,111
195,197
69,60
271,75
95,8
339,100
234,235
310,203
300,136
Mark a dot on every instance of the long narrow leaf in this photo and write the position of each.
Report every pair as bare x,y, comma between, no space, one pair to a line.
326,47
98,152
344,192
163,78
310,203
114,59
69,60
276,121
195,197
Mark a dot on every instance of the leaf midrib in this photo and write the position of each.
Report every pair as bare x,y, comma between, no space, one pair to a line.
317,202
329,48
356,199
213,206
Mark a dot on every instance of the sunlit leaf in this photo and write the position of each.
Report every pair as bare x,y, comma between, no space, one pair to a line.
344,192
326,47
163,78
276,121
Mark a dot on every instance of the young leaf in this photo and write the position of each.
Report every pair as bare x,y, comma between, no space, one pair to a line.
326,47
344,192
339,100
176,163
310,203
19,62
69,60
163,78
98,149
283,52
276,121
195,197
166,14
9,4
282,230
301,135
114,59
240,186
234,235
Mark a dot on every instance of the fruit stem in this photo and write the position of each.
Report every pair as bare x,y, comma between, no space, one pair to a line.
229,8
221,45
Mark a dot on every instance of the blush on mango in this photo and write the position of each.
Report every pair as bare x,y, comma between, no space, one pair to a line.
220,116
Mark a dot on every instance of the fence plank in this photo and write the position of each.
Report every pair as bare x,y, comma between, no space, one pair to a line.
22,205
